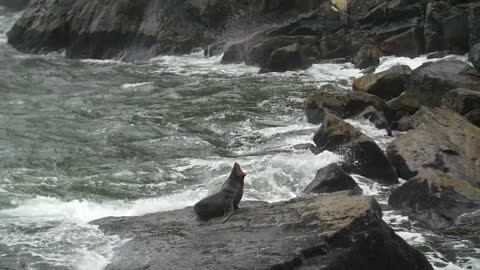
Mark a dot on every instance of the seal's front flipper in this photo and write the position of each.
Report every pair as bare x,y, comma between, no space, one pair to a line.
229,213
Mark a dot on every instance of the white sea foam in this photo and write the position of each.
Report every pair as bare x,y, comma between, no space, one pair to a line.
390,61
85,211
134,85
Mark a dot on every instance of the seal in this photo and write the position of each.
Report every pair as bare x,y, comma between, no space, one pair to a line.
224,202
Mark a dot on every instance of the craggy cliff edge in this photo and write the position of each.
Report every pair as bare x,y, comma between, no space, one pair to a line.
329,231
275,35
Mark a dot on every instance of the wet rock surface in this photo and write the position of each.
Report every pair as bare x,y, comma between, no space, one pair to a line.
441,157
361,154
403,28
333,231
343,105
387,84
461,100
332,179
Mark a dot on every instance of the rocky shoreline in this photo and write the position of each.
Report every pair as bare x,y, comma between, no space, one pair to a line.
433,113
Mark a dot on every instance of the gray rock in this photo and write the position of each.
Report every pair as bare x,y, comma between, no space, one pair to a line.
333,231
332,179
474,56
441,156
368,56
342,104
461,100
387,84
361,154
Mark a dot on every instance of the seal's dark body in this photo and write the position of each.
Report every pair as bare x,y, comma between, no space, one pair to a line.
226,200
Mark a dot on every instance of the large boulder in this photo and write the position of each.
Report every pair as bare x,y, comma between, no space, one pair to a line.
331,231
361,155
292,57
341,104
431,81
474,56
368,56
461,100
332,179
387,84
441,156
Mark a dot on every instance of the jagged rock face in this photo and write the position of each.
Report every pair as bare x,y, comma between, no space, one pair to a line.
361,154
333,231
387,84
441,156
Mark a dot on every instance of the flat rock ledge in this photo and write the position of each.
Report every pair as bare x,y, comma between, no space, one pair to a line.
329,231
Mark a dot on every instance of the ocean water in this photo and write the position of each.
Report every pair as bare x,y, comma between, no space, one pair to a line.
86,139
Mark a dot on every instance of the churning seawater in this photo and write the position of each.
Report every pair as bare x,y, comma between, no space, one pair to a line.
85,139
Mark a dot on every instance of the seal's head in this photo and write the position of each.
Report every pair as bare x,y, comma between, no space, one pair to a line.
237,172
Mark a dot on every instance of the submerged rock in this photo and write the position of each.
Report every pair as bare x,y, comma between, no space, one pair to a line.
333,231
361,154
441,156
387,84
343,105
332,179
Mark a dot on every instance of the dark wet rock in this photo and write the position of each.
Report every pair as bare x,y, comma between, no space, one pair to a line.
446,27
377,118
409,43
387,84
368,56
214,49
442,140
328,231
474,56
474,23
439,54
234,53
361,154
342,104
467,227
473,117
441,156
404,124
270,52
292,57
126,30
436,198
334,61
461,100
14,4
332,179
431,81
